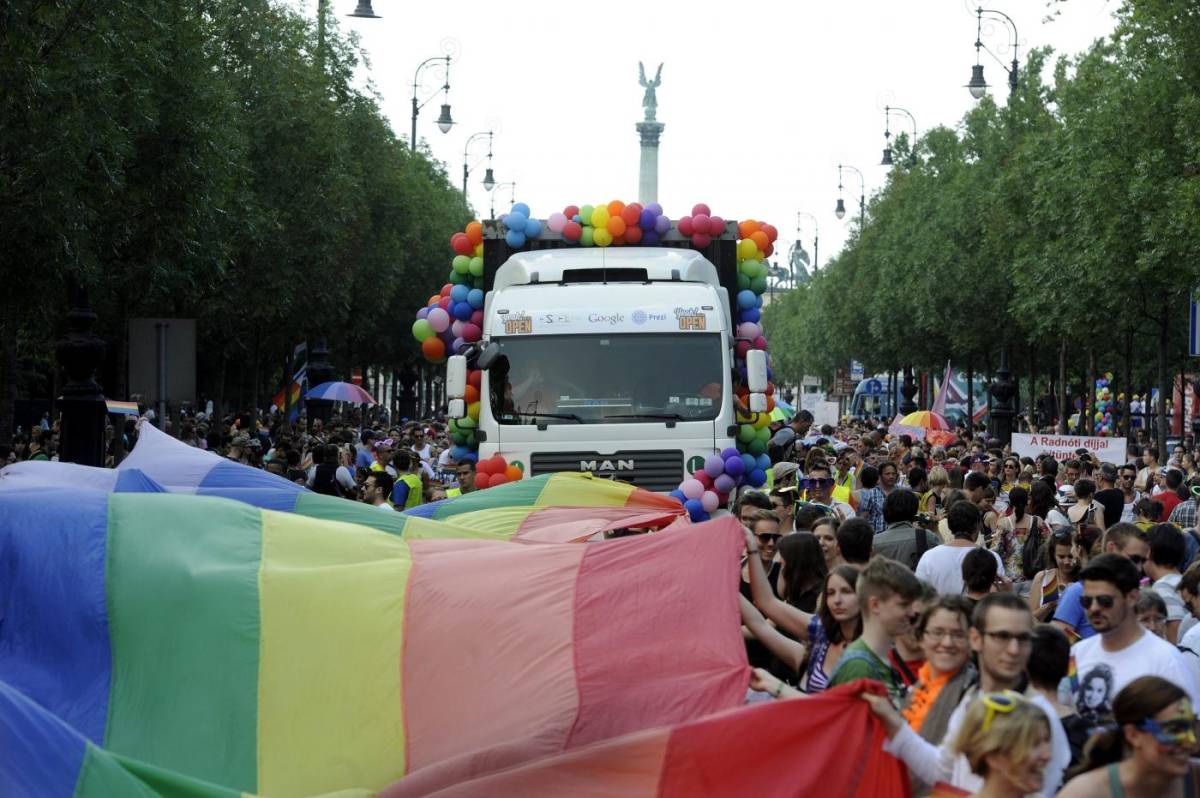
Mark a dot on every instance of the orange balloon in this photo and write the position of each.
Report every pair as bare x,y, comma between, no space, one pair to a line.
616,226
760,240
747,228
471,395
434,349
633,235
631,214
474,233
433,300
513,473
615,207
770,403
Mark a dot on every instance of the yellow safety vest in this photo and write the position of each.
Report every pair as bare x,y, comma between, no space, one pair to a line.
452,492
414,490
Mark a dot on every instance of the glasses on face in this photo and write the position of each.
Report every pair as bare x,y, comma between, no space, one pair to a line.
767,537
1105,601
955,636
818,483
998,703
1126,476
1137,559
1005,639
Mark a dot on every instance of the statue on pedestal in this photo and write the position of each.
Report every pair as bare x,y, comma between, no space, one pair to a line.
649,100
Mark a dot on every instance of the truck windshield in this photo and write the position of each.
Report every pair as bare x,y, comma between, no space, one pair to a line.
616,379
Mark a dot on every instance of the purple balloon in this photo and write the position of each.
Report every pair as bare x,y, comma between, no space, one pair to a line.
735,467
714,466
725,483
646,222
423,312
656,208
730,452
649,238
662,225
456,346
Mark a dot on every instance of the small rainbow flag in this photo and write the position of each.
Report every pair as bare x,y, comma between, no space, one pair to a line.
187,642
123,408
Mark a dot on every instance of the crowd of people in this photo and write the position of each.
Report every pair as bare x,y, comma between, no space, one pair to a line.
1034,622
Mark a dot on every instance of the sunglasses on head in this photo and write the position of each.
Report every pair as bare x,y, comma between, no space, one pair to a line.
998,703
1105,602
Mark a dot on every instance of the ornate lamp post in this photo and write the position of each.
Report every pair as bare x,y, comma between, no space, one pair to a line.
444,122
887,132
840,210
816,259
977,85
320,370
489,181
512,196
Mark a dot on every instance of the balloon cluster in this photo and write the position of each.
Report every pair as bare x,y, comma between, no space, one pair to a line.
610,225
520,225
462,430
496,471
1104,405
747,464
453,317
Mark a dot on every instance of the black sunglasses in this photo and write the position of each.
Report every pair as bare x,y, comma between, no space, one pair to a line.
767,537
1137,559
808,483
1105,602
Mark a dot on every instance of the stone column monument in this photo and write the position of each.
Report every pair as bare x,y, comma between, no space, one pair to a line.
649,130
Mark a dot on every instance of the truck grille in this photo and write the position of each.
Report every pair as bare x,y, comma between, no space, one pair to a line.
653,470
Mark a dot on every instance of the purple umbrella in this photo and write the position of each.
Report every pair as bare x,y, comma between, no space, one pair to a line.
340,392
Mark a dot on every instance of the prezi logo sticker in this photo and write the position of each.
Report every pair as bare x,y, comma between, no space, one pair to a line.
638,316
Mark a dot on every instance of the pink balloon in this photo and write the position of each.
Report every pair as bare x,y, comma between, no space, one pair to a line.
701,240
439,320
700,207
760,343
471,333
710,501
748,330
477,318
700,223
556,222
716,226
684,226
692,488
740,349
456,327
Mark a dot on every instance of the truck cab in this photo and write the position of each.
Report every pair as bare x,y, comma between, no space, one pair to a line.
613,361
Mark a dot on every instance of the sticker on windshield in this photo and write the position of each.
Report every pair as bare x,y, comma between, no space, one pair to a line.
691,319
518,325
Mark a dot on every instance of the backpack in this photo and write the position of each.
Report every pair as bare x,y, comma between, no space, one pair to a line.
1033,557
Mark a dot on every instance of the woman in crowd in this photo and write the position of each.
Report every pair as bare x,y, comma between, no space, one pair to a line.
1149,750
943,527
1086,511
1019,529
1010,474
946,674
1048,585
1006,740
1146,512
933,502
803,574
1151,612
826,634
889,477
825,531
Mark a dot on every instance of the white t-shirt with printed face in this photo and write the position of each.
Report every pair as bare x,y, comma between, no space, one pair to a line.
1097,675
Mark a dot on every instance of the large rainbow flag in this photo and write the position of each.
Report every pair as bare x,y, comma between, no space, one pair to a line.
216,642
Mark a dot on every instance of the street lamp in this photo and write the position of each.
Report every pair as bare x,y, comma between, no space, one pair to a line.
977,85
887,132
840,210
816,261
488,181
444,122
512,197
364,10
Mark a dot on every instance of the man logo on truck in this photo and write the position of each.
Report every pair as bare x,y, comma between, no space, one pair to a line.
605,465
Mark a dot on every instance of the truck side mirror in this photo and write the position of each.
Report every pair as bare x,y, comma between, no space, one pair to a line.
487,357
756,379
456,386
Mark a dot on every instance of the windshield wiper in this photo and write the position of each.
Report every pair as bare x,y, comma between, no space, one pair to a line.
568,416
664,416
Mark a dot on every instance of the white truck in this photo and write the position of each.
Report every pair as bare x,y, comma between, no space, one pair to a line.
616,361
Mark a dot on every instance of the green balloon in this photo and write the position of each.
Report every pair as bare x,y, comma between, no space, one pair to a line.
475,267
477,282
585,238
422,329
757,447
471,443
746,432
758,285
455,278
743,282
466,422
462,264
585,214
458,438
764,434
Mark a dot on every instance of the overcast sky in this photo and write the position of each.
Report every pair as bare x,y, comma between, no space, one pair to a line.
761,101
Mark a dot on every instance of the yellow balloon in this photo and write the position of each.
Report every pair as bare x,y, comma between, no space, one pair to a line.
744,417
473,410
600,219
746,249
479,250
602,238
761,420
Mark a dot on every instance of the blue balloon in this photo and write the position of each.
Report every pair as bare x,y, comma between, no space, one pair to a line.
735,466
649,238
473,457
577,219
751,314
763,462
758,300
678,494
747,299
646,222
475,298
459,293
533,228
459,452
515,239
695,509
749,463
522,209
757,478
462,310
516,221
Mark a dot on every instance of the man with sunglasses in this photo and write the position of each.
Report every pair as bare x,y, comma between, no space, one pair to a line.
1001,636
1122,650
818,484
1125,540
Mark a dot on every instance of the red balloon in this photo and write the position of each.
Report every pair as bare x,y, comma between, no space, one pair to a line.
447,288
701,240
444,303
461,244
631,214
434,349
771,232
572,231
704,478
716,226
699,208
633,235
475,378
759,343
685,226
769,251
482,479
571,211
497,480
700,223
499,464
